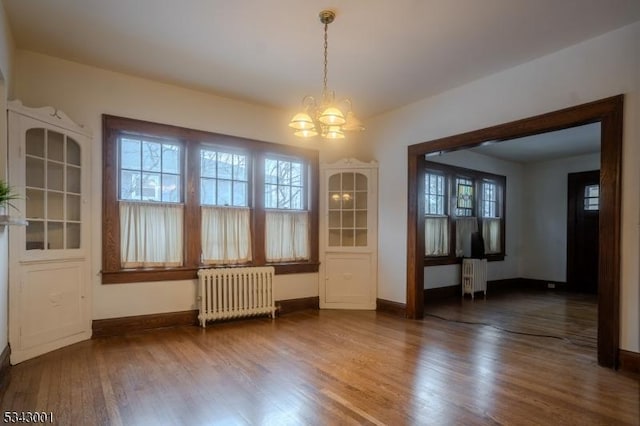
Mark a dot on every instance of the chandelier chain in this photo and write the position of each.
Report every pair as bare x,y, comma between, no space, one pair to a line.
326,45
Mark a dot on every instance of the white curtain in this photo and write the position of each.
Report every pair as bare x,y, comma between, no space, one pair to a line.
287,235
226,235
491,234
464,228
436,235
150,234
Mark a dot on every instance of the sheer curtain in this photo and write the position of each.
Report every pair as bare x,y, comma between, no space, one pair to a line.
436,235
287,235
464,228
491,234
226,235
150,234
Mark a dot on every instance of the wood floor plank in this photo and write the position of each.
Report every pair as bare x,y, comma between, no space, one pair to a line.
341,367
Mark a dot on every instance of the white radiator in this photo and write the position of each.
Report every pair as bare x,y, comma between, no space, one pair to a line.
474,276
227,293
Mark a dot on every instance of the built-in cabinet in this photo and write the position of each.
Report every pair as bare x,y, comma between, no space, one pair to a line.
49,258
348,235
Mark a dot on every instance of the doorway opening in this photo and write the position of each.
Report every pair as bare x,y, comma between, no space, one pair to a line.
607,112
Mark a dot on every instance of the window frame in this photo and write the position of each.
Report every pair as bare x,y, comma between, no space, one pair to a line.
452,174
193,141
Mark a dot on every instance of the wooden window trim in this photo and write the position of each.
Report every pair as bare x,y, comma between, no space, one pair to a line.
113,127
451,173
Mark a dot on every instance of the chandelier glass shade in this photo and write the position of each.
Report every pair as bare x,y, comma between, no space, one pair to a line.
327,118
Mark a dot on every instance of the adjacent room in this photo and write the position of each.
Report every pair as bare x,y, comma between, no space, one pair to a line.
339,212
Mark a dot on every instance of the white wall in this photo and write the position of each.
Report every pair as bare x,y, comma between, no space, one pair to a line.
85,93
6,65
545,233
598,68
447,275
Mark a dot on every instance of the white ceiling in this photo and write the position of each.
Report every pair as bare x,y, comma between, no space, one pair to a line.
546,146
383,54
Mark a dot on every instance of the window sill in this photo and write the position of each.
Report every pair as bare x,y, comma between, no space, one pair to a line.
173,274
446,260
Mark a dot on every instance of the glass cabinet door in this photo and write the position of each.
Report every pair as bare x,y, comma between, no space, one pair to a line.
348,209
53,190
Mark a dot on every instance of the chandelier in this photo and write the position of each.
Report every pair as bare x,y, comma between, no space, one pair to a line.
325,118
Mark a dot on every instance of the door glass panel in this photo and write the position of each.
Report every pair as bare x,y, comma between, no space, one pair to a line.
34,172
35,142
73,179
53,203
73,152
55,235
55,146
361,237
55,176
35,204
73,235
55,206
347,201
35,235
73,207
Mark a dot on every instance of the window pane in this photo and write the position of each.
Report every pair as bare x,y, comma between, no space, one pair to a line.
296,198
284,197
271,171
239,194
296,174
224,193
170,159
284,172
171,188
240,167
271,196
208,163
130,154
224,165
151,186
207,191
130,185
151,156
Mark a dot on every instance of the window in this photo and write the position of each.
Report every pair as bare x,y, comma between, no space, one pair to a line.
458,203
436,222
464,197
434,194
592,197
284,188
176,199
150,170
224,178
287,223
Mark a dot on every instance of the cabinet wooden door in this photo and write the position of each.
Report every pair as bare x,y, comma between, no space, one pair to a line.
49,259
348,223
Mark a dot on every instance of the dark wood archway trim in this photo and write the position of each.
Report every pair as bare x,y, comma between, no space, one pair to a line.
609,113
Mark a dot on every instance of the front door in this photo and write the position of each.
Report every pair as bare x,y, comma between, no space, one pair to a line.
582,231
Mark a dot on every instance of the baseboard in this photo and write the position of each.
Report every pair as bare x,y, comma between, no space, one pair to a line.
432,295
629,361
5,367
394,308
123,325
543,284
292,305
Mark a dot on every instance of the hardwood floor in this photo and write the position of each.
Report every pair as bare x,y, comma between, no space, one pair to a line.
325,367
